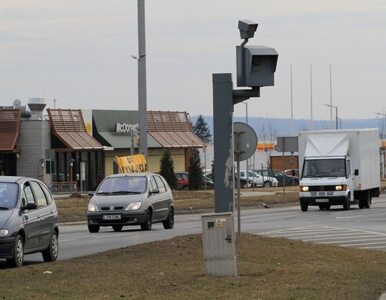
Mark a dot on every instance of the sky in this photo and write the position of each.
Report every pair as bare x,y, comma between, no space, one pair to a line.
79,53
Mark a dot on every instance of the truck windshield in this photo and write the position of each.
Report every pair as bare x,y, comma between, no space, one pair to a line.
324,168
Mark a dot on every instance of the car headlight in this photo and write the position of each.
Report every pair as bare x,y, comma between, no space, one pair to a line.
3,232
341,187
304,188
92,207
134,206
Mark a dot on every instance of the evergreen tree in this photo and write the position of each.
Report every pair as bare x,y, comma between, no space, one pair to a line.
201,129
167,169
195,172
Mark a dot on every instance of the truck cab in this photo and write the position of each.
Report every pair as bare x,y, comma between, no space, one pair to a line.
326,181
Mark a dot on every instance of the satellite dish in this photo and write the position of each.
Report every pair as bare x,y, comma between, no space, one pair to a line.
16,103
245,141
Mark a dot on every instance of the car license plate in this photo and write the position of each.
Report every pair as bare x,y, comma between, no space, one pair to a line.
321,200
111,217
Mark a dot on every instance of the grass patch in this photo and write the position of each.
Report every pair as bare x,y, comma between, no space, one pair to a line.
269,268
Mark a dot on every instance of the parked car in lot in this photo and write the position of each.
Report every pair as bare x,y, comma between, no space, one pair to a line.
131,199
182,180
287,179
255,180
28,220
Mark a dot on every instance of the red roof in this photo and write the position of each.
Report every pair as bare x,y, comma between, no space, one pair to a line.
9,129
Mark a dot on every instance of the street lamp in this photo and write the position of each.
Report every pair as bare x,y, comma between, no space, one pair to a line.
336,114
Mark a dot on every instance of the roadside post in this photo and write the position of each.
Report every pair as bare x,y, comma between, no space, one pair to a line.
256,66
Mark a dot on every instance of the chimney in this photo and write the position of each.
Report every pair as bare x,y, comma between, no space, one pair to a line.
36,106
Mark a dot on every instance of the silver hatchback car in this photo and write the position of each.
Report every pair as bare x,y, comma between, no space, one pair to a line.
28,220
131,199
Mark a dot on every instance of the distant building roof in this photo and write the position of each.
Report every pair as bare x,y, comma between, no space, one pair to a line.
172,129
68,126
9,129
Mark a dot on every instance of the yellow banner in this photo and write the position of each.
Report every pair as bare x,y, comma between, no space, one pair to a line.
131,164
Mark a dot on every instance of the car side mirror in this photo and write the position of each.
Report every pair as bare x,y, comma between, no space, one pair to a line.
356,172
29,206
91,194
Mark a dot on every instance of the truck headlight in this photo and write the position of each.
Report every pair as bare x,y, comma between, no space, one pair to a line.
341,187
3,232
92,207
304,188
134,206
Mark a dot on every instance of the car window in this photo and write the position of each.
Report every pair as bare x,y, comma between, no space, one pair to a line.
29,196
8,195
153,185
47,193
125,184
160,184
41,199
165,183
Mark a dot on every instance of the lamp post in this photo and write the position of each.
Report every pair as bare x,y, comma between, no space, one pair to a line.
336,114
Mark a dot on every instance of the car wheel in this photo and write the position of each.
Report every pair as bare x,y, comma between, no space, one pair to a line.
52,252
304,206
117,228
17,259
327,207
322,207
93,228
148,221
267,184
169,222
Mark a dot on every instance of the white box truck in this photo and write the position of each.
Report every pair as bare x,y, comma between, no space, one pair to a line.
339,167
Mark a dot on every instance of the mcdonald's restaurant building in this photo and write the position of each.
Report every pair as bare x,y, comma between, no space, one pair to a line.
73,150
118,132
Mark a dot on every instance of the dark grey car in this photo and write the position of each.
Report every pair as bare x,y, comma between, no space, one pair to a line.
131,199
28,220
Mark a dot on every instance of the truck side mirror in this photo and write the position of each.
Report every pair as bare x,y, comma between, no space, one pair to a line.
356,172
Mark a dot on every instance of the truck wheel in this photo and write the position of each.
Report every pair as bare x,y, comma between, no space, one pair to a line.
304,206
346,204
361,204
367,199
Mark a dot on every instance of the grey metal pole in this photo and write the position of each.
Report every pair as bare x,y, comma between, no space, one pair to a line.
246,121
331,97
223,142
238,196
312,117
142,106
292,106
336,111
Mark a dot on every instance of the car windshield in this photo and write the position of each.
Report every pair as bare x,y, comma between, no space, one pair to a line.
8,195
123,185
324,168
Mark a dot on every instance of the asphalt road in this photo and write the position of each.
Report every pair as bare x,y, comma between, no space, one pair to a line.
359,228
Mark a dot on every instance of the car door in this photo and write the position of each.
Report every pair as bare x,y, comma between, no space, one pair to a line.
30,220
45,215
164,199
154,197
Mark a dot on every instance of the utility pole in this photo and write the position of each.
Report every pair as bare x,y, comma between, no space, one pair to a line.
142,105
